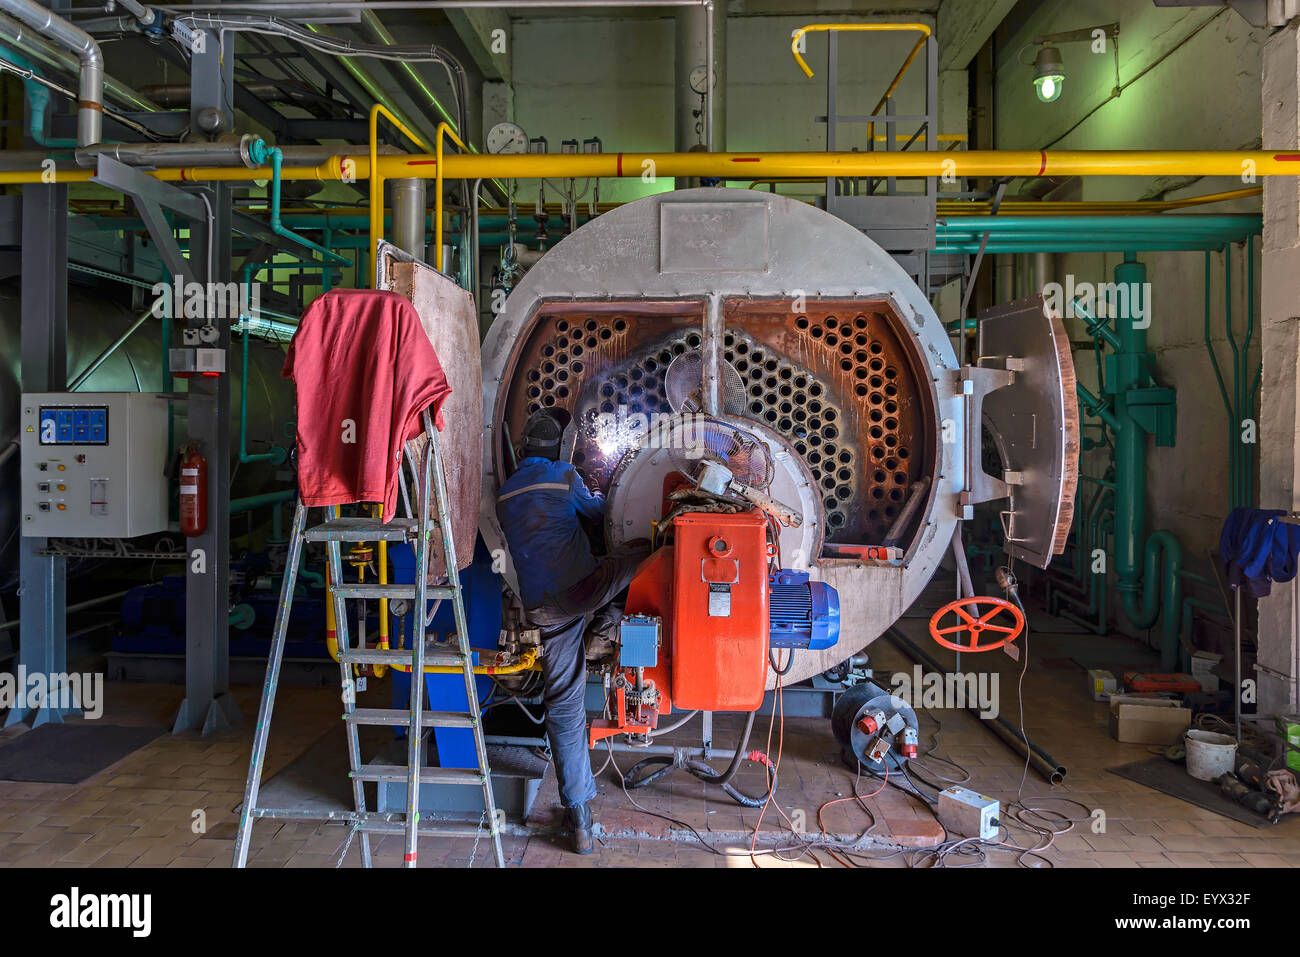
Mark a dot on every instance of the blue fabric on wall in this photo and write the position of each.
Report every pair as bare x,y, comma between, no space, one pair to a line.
1257,548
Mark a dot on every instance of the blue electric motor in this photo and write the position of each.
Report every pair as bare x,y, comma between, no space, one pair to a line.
802,613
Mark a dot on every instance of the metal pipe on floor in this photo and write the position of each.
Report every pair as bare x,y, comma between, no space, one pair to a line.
1042,762
80,606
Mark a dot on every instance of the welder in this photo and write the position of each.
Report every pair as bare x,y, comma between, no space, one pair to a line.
563,586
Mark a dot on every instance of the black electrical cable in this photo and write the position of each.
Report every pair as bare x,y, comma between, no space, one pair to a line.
780,672
726,776
703,771
631,781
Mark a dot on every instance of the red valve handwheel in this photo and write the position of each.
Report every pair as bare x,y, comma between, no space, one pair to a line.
973,617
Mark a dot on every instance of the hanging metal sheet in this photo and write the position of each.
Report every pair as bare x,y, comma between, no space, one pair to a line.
450,319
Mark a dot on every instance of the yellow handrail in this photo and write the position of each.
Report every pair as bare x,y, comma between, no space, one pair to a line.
872,28
860,28
438,134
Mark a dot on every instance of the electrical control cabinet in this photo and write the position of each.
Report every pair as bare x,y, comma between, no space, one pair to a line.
92,464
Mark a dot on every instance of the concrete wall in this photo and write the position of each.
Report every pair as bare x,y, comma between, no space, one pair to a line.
1190,79
582,77
1279,644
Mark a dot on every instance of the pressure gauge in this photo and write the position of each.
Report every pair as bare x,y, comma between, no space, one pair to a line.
507,138
699,80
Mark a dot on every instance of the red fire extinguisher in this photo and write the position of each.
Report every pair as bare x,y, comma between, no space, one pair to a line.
194,492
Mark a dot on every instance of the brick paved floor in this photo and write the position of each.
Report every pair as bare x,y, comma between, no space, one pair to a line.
142,811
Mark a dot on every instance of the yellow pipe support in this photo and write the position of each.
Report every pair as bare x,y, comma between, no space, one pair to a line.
749,166
331,625
443,130
377,180
799,34
376,233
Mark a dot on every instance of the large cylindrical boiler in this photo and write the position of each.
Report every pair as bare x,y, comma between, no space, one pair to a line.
832,356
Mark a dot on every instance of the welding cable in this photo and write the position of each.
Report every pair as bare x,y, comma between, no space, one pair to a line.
703,772
713,777
630,780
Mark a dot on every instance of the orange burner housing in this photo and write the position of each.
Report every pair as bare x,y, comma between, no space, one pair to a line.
720,618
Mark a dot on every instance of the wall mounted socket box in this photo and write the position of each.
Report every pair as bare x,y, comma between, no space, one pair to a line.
967,814
92,464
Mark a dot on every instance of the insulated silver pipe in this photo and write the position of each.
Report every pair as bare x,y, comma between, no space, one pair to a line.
90,105
409,211
224,152
37,48
144,15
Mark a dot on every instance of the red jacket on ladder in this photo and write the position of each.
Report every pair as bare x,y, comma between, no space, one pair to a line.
363,369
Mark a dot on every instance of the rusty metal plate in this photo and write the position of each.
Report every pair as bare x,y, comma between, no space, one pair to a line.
835,380
1035,424
449,318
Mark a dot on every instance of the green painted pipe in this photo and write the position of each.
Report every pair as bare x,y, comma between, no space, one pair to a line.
240,505
1242,222
1096,406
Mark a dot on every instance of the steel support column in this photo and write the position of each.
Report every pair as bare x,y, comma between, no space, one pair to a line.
208,704
43,634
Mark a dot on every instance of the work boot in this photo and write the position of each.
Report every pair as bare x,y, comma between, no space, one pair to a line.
578,821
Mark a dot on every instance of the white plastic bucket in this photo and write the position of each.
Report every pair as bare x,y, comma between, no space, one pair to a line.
1209,755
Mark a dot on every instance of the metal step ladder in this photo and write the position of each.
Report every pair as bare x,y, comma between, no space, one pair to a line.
416,528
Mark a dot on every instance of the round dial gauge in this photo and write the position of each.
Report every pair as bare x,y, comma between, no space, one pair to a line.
506,138
699,80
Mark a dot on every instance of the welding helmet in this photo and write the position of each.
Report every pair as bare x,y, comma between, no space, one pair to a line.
544,433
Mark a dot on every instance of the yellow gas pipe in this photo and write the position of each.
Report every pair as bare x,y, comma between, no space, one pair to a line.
747,166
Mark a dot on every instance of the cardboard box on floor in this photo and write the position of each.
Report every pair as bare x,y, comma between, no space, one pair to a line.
1147,720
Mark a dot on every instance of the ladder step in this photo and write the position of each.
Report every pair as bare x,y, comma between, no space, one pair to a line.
375,590
397,772
364,530
402,719
435,829
400,656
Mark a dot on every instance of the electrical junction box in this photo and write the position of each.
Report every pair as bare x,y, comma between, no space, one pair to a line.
963,812
92,464
638,637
